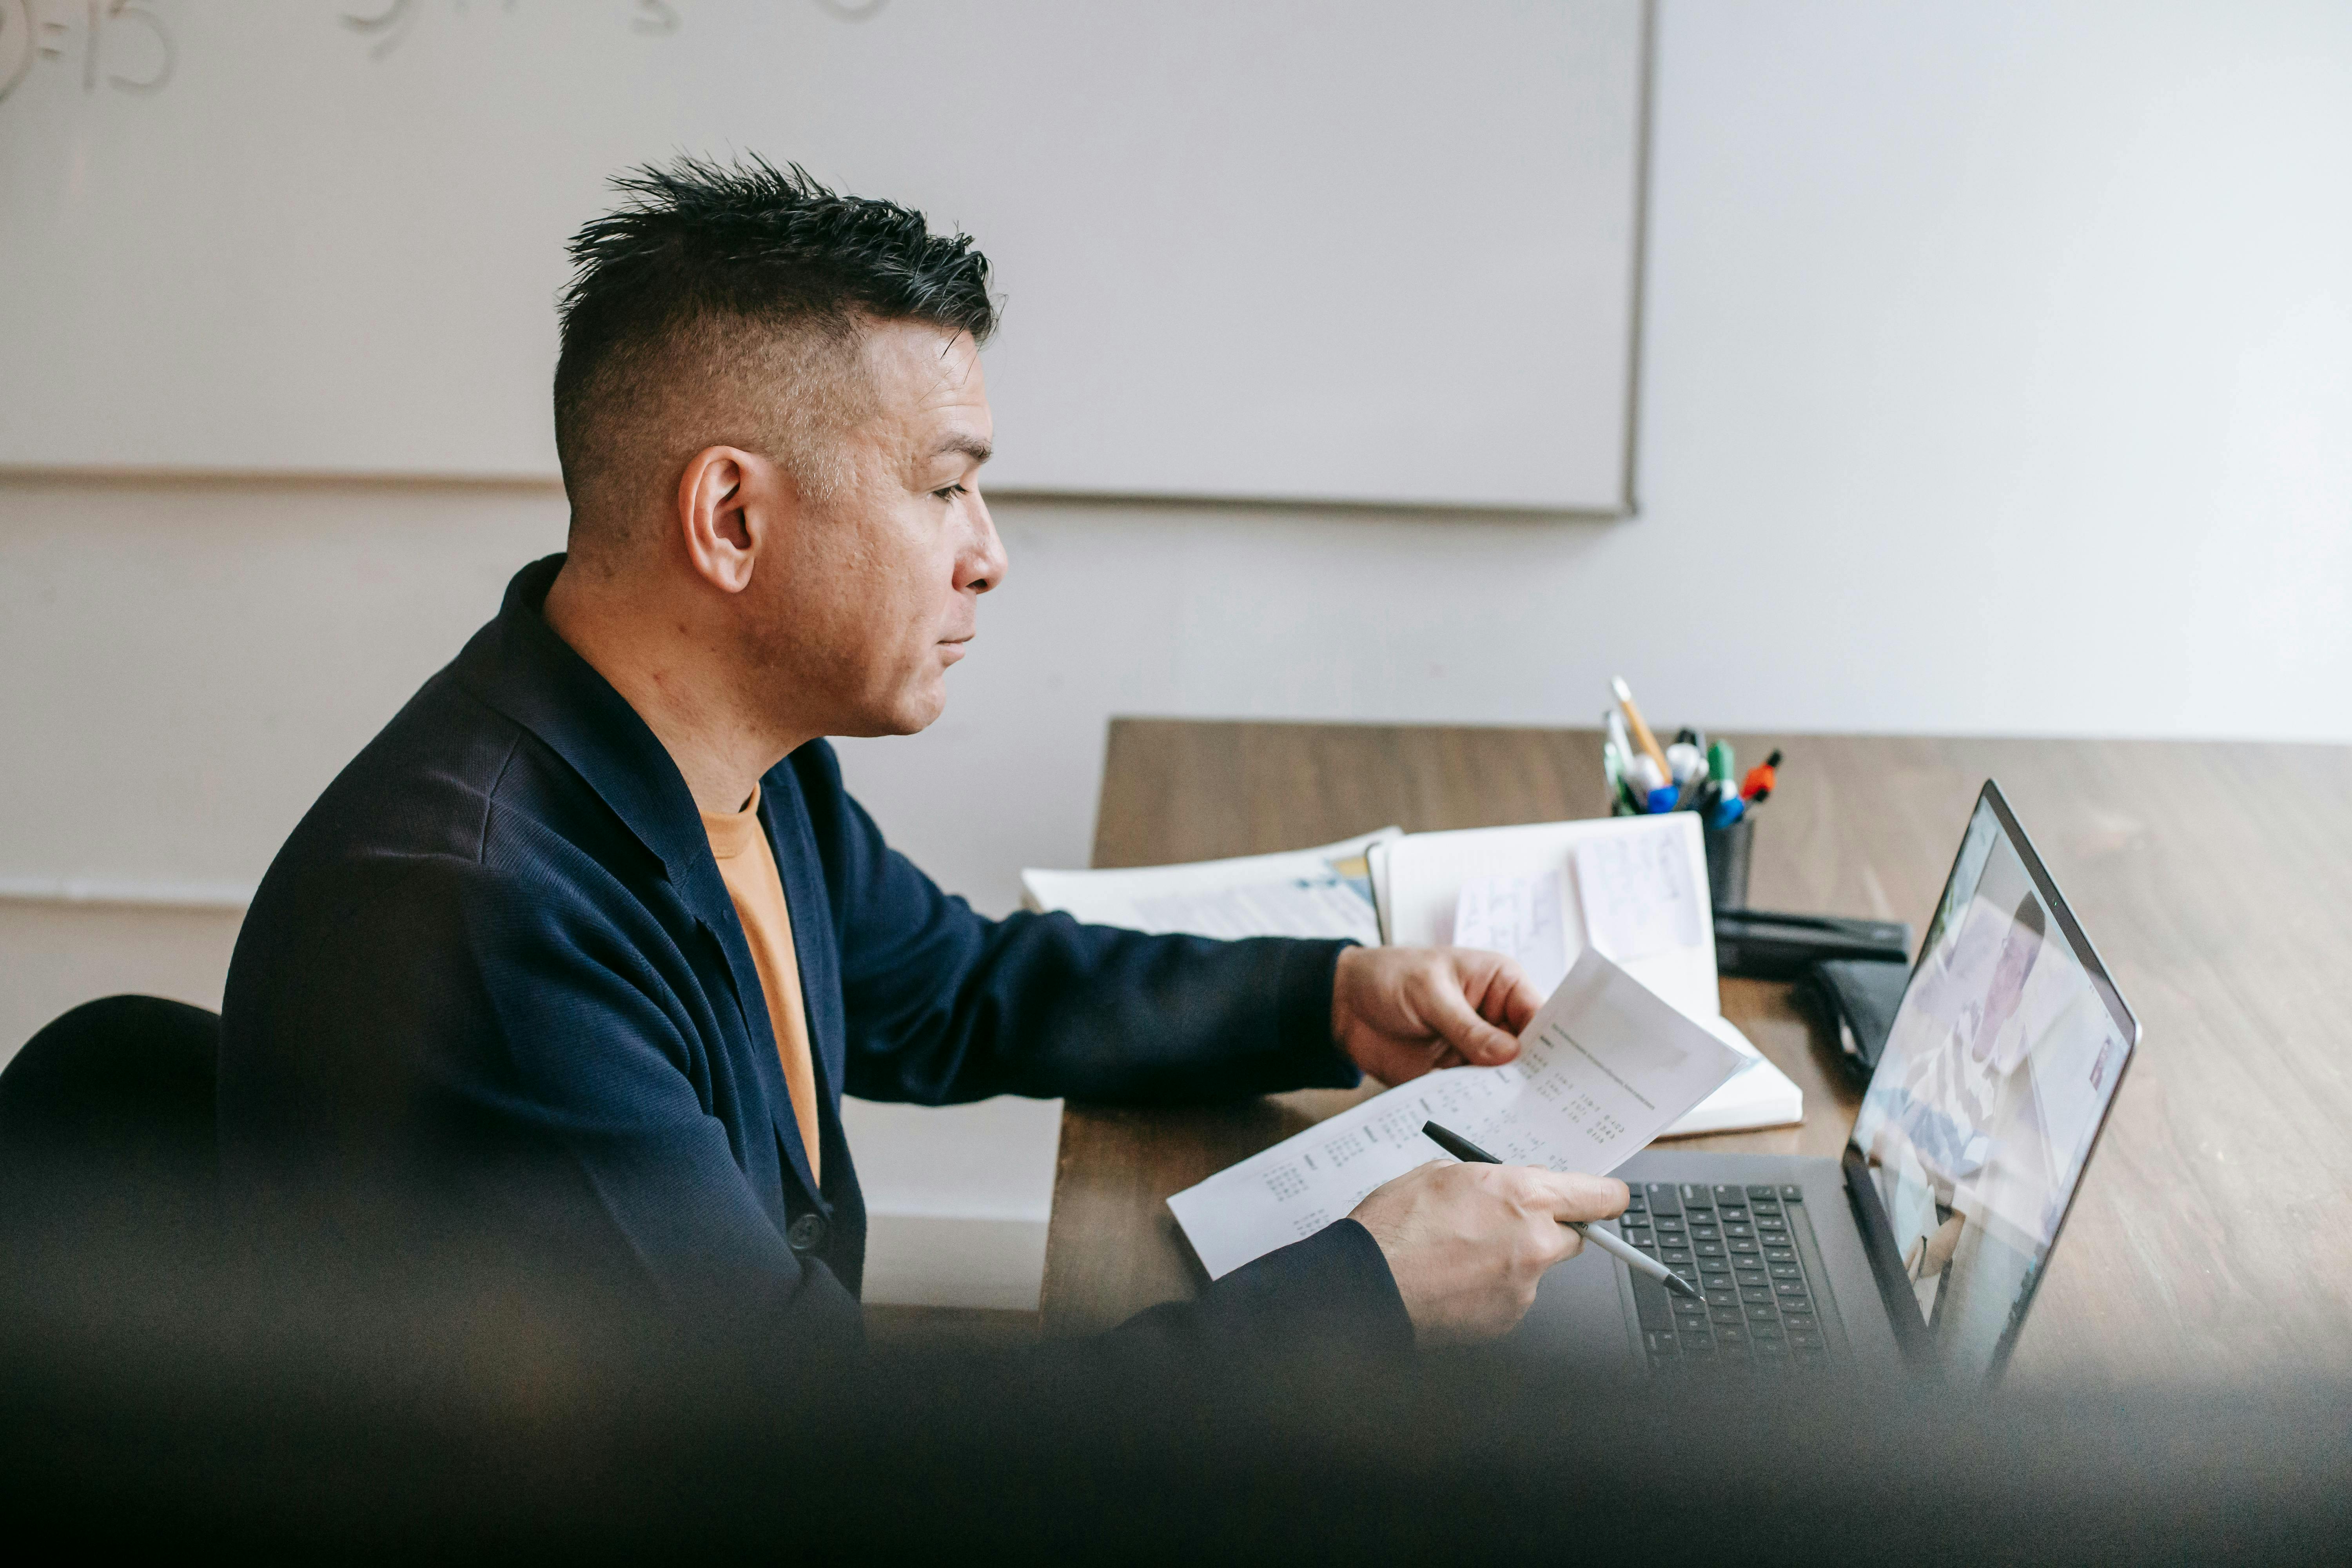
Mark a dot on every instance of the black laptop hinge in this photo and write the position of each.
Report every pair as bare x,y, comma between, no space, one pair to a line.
1887,1264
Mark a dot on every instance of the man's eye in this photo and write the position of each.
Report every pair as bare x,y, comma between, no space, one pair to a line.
950,493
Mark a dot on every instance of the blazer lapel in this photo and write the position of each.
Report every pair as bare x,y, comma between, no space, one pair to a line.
744,975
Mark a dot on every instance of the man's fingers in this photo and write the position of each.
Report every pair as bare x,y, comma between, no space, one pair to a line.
1498,989
1480,1043
1510,997
1555,1243
1560,1244
1575,1195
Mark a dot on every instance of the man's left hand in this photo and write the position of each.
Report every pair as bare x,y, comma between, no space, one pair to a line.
1400,1012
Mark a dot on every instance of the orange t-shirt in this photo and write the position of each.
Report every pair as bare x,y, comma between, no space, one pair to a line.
748,868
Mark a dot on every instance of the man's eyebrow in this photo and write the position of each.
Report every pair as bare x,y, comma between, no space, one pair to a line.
971,447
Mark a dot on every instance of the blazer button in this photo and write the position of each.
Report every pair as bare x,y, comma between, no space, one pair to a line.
806,1234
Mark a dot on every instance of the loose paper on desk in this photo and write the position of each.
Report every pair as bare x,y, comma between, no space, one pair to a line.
1604,1067
1321,892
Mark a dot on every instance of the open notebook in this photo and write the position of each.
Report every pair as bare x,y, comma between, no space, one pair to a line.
1634,888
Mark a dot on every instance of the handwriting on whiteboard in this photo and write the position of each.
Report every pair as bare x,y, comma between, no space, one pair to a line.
131,45
388,22
115,45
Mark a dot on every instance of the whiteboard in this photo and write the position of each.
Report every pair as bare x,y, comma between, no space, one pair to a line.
1366,250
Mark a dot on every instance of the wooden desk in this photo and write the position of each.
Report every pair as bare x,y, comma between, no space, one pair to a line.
2214,1235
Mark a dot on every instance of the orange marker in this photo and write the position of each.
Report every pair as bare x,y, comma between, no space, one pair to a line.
1760,779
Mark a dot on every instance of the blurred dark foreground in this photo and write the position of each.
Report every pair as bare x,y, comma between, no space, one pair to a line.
157,1393
159,1403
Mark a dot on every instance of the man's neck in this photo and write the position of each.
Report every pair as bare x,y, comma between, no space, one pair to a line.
679,681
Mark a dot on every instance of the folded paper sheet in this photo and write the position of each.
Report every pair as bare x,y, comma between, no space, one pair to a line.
1604,1069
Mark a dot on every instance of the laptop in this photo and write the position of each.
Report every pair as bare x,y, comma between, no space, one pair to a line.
1918,1249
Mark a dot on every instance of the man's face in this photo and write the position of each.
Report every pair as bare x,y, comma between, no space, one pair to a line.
2017,951
882,581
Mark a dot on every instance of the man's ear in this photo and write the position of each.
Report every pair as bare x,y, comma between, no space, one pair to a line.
727,501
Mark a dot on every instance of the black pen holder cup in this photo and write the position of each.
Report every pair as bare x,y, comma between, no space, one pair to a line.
1728,853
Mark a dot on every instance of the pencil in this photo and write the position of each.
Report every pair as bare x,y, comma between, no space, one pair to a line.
1608,1241
1642,735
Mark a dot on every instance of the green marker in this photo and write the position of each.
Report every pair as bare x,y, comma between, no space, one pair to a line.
1718,763
1620,790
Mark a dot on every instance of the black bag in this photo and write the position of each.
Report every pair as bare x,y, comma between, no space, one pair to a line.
1855,998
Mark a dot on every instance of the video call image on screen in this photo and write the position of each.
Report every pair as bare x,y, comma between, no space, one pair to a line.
1995,1076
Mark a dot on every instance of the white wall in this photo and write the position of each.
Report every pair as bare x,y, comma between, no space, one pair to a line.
1998,378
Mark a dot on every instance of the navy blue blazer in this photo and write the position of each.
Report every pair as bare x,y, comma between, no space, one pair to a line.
493,983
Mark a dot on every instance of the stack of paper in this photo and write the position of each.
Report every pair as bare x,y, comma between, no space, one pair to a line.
1632,889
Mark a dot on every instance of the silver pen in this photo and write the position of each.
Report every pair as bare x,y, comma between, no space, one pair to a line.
1608,1241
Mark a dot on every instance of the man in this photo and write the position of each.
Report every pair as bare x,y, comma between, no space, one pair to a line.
1956,1113
573,964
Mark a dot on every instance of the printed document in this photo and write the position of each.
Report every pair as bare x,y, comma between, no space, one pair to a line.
1604,1069
1322,892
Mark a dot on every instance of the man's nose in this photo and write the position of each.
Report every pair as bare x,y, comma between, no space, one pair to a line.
983,564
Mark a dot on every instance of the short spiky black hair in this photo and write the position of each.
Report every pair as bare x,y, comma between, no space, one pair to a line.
701,248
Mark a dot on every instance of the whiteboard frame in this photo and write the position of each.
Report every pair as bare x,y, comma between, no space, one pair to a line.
1627,506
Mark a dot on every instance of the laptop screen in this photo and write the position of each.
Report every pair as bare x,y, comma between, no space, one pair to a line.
1996,1076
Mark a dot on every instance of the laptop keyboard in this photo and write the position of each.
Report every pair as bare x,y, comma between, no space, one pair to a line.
1745,1247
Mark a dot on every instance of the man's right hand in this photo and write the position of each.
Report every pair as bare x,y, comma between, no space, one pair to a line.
1468,1243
